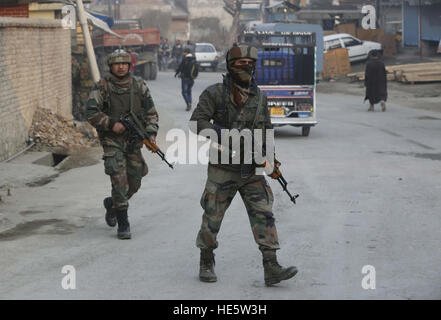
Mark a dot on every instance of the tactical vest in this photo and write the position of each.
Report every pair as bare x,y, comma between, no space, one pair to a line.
250,116
118,99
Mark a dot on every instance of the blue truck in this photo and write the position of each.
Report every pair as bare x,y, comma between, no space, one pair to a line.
290,61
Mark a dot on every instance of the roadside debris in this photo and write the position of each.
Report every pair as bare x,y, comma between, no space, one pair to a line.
51,130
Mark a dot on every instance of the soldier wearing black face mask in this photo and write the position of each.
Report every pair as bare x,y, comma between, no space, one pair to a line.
237,103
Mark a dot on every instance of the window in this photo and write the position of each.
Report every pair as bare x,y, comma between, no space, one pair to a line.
350,42
273,62
332,44
204,48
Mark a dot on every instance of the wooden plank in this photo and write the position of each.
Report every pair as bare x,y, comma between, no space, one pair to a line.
343,63
349,28
410,66
370,34
422,77
360,76
389,44
330,68
391,77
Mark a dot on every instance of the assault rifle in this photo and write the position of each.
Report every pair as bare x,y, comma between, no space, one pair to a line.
270,169
277,175
138,134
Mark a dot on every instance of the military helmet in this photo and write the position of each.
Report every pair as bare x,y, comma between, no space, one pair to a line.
240,52
119,56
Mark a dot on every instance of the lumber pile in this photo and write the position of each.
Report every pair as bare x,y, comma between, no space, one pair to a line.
51,130
408,73
336,63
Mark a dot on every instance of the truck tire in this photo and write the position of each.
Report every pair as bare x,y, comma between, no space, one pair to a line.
305,131
153,71
147,71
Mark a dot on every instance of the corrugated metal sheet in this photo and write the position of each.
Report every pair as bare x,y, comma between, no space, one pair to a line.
431,23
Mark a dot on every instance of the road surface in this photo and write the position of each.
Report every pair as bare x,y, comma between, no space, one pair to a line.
369,186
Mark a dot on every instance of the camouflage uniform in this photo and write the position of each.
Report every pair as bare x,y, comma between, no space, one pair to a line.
237,103
76,101
82,84
123,162
225,180
86,85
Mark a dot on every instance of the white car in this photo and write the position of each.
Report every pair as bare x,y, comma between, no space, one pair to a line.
357,49
206,56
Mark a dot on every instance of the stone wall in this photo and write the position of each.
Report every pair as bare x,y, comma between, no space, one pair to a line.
35,71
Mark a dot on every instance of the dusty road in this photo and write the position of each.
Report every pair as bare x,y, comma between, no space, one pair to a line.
370,195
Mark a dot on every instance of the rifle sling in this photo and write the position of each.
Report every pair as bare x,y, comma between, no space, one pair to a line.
134,116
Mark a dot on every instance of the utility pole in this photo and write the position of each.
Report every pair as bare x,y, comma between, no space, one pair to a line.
420,27
117,10
378,12
88,42
109,8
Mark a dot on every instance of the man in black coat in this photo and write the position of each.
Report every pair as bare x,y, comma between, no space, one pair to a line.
375,82
187,71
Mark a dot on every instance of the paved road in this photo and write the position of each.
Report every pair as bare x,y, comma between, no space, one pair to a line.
369,185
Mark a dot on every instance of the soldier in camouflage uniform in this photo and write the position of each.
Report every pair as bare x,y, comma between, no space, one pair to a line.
86,84
109,100
234,104
76,101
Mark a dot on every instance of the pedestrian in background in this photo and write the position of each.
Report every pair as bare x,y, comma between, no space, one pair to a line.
190,45
188,71
178,52
165,54
375,82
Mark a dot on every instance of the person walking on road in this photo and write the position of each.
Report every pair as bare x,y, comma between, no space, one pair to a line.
375,82
178,52
237,103
165,54
187,71
118,94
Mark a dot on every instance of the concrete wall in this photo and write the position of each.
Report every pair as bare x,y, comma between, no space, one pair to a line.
35,71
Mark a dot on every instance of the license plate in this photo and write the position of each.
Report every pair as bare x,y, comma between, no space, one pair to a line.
277,111
205,64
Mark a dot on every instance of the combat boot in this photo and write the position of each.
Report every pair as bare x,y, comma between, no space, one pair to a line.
123,224
206,271
110,214
383,106
274,273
